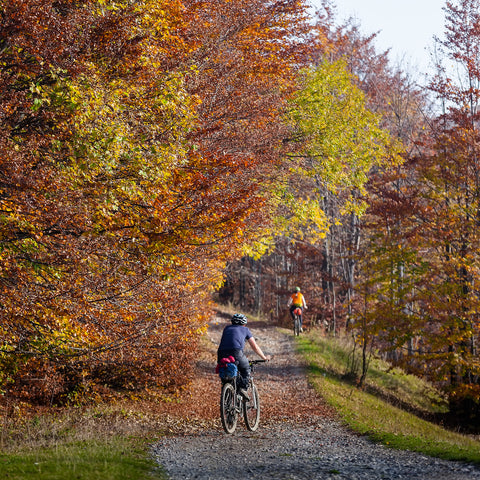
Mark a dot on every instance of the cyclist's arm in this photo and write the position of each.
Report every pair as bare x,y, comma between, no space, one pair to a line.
257,349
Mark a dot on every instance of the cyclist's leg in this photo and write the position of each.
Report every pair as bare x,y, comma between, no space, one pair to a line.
243,369
292,309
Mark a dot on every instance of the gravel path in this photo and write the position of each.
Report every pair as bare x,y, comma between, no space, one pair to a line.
307,444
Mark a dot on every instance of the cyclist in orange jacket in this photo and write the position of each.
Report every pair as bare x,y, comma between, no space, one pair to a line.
297,300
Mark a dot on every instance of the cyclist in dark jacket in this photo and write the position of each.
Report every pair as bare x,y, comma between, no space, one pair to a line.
233,343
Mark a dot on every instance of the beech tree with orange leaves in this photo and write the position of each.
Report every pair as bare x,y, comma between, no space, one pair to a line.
139,146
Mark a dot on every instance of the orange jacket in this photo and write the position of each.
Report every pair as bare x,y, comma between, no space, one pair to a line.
297,300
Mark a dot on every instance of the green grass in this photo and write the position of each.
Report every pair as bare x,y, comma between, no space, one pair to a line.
115,459
370,414
104,442
333,356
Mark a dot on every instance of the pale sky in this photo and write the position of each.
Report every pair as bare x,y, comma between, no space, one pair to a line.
406,27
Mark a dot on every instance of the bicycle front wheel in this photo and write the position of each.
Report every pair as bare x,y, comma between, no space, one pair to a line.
228,412
251,409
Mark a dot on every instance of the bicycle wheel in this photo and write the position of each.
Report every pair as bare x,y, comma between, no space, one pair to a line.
251,409
296,326
228,413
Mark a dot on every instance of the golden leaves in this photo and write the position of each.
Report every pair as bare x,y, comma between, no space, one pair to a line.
143,166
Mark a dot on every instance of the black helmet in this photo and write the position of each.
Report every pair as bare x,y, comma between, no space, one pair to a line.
239,319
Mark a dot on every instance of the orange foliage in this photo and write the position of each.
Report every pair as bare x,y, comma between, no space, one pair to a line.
137,147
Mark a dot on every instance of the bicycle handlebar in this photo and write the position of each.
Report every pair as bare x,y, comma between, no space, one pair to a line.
254,362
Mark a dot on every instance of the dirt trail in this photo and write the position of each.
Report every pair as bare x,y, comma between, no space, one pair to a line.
298,437
284,390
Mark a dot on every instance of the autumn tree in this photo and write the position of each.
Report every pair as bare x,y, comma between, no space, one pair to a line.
73,162
451,174
139,145
341,141
423,230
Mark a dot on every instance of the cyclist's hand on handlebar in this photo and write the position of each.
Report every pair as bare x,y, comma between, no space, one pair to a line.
268,357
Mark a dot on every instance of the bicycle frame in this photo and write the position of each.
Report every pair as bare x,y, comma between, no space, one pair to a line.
232,404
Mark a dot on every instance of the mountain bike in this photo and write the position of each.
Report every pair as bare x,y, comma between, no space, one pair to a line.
296,321
233,404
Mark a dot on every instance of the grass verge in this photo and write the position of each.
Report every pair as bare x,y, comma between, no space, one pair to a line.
369,413
115,459
118,459
108,442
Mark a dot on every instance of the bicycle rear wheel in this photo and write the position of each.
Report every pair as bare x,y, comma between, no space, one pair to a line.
296,325
228,413
251,409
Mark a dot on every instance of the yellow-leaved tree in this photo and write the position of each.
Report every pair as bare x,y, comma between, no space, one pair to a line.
139,143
